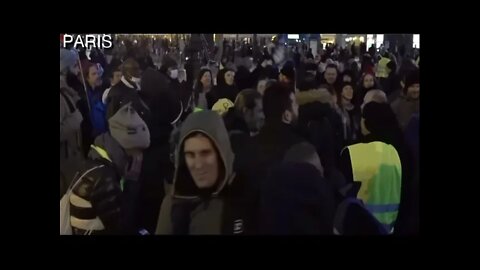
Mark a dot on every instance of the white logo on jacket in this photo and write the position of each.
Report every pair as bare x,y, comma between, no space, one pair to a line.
238,226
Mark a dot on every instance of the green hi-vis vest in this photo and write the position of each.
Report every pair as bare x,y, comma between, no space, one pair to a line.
382,69
104,155
377,166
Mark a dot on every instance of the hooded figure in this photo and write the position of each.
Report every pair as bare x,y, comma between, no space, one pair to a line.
194,207
226,87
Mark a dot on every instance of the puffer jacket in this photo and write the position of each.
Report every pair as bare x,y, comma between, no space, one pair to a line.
97,202
321,125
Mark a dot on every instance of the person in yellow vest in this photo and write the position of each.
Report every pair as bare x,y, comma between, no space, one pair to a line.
103,197
382,70
375,166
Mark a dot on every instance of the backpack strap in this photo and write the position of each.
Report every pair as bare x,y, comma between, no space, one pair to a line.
78,180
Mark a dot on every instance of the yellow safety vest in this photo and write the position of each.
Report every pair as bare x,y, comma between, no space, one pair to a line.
377,166
382,69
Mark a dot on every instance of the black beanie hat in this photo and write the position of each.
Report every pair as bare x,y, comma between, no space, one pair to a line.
311,67
289,71
378,117
412,78
168,62
340,89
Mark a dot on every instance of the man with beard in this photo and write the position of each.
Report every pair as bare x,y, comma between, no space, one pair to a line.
275,138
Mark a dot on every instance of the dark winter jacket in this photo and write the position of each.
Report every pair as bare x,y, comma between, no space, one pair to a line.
323,127
296,199
409,212
404,108
98,202
164,105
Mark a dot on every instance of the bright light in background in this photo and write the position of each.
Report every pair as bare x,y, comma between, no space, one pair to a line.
370,41
416,41
362,39
379,40
293,36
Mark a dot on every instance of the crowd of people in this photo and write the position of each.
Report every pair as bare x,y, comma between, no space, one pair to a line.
300,144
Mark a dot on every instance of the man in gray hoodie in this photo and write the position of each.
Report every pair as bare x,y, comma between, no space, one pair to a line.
206,196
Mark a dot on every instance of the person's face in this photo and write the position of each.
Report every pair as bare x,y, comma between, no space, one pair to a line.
202,161
229,77
368,81
75,70
93,77
255,117
261,86
347,78
331,75
413,92
206,79
133,71
291,116
347,92
117,75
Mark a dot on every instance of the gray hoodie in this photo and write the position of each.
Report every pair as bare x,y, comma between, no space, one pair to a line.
206,216
70,133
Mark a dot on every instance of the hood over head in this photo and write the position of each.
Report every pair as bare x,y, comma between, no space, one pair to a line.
212,125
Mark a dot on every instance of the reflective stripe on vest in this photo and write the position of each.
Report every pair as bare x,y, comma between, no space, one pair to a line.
377,165
382,70
101,152
197,109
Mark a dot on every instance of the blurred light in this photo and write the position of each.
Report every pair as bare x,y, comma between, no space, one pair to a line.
186,58
379,40
416,41
135,41
362,39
